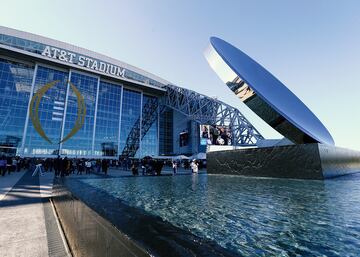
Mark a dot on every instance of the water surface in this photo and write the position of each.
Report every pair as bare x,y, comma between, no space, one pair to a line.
252,216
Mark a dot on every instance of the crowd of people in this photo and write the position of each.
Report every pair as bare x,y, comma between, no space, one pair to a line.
151,166
11,164
194,165
64,166
61,166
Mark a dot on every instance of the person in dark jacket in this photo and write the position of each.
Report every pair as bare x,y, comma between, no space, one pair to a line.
134,169
57,166
9,164
104,166
63,166
2,165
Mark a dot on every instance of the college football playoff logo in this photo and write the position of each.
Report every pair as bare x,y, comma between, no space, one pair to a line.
34,111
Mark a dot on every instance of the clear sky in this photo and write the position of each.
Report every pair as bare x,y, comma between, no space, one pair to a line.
312,46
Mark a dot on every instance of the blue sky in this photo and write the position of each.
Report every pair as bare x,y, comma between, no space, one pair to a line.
313,47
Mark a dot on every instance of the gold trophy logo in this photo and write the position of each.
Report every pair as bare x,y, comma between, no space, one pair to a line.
34,111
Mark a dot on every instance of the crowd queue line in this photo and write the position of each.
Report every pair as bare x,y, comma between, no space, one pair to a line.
64,166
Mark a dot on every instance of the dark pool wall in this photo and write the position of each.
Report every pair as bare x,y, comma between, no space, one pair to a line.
304,161
337,161
87,233
80,205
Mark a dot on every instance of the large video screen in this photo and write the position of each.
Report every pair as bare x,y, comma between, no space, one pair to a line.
215,135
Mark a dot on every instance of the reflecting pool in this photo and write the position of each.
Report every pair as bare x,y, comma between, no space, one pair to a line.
252,216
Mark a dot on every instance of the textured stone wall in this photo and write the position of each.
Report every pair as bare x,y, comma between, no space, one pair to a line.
305,161
293,161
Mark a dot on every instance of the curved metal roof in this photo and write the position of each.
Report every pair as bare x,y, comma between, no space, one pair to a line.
275,95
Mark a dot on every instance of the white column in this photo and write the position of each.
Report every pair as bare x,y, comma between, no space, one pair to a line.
121,104
158,128
28,110
95,116
140,130
65,110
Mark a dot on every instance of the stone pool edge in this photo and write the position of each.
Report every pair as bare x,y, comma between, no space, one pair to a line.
86,232
303,161
147,232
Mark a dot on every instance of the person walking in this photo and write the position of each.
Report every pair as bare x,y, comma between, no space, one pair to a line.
174,166
2,166
8,164
51,165
134,169
194,166
18,164
104,166
88,166
14,164
57,166
63,167
79,167
143,167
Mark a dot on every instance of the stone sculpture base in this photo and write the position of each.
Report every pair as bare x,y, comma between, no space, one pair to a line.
304,161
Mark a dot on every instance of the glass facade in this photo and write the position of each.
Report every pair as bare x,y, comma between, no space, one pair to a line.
107,119
149,128
51,112
130,121
117,112
81,143
166,132
39,108
15,88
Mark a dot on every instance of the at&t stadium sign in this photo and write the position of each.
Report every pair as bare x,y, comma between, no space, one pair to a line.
83,61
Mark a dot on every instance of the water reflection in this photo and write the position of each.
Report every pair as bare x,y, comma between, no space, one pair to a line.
252,215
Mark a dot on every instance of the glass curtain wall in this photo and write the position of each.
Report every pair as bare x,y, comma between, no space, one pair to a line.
15,87
51,113
149,143
166,132
107,120
130,120
81,143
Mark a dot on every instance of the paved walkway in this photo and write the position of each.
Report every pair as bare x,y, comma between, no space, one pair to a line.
8,181
28,225
27,222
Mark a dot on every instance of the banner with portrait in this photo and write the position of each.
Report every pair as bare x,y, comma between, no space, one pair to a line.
215,135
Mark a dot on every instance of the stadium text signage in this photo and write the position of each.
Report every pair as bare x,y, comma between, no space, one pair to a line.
83,61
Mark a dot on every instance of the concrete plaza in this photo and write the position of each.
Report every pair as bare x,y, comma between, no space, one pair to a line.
28,223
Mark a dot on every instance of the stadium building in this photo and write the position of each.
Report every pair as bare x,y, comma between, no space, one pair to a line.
56,98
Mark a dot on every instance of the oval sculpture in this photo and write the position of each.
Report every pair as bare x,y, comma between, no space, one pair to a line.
264,94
